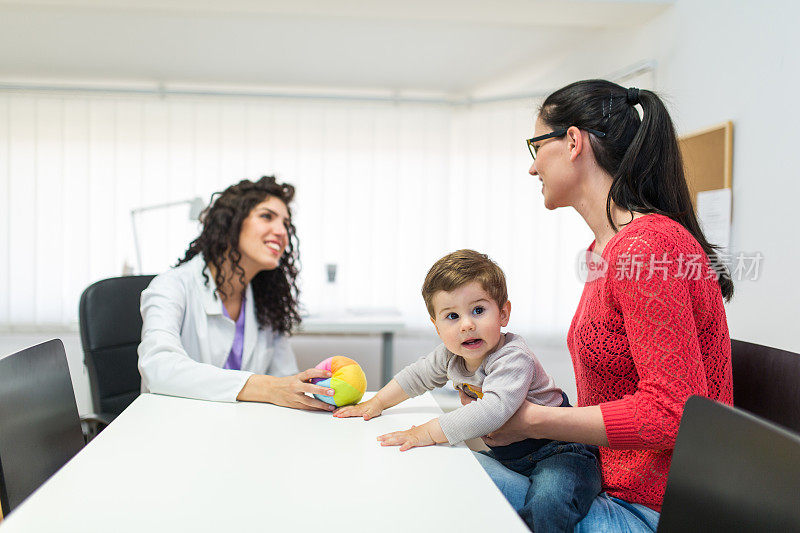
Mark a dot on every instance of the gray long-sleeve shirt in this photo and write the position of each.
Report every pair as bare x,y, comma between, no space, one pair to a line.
506,378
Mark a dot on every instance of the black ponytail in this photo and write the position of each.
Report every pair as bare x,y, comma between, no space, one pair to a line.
640,153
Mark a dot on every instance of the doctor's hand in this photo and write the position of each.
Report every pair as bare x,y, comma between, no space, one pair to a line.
289,391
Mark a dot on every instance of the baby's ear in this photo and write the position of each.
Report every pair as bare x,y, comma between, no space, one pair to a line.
433,321
505,313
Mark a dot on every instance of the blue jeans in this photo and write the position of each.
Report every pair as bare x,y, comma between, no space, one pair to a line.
606,513
610,515
551,488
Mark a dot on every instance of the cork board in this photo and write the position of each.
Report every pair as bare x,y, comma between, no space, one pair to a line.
708,159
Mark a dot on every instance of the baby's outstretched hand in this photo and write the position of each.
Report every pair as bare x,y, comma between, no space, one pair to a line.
410,438
369,409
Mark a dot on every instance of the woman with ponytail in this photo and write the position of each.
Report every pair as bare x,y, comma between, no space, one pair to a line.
651,330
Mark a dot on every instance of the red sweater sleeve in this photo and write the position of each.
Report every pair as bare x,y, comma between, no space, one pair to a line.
655,299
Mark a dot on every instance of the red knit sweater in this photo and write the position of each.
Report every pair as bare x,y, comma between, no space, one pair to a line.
641,347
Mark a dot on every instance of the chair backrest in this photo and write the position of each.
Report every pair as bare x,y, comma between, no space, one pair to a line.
766,382
731,471
40,429
111,329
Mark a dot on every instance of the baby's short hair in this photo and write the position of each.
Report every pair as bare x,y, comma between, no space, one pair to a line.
459,268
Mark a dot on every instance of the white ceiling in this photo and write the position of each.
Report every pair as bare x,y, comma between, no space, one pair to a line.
443,46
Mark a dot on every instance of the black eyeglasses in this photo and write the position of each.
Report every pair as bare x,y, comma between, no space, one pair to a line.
558,133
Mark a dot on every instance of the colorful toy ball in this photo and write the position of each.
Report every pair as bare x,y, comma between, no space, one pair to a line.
347,381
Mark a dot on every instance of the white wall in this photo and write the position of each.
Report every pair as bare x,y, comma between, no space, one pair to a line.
714,61
738,60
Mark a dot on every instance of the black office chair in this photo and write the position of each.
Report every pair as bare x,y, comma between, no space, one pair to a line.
766,382
111,329
731,471
39,425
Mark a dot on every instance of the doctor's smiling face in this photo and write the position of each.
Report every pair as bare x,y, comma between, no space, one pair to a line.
264,235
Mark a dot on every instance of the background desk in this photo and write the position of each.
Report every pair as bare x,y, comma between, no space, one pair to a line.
172,464
352,324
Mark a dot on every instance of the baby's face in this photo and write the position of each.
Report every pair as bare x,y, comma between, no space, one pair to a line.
468,321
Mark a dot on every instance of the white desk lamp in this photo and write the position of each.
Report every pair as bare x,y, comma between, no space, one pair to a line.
196,206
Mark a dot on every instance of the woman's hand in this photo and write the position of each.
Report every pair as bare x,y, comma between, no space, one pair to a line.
517,427
571,424
289,391
369,409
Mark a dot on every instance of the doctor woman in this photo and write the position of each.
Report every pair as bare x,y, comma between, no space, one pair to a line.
216,326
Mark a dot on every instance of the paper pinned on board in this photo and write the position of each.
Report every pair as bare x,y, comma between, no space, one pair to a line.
714,213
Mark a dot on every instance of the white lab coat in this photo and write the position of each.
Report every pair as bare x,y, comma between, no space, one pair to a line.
186,339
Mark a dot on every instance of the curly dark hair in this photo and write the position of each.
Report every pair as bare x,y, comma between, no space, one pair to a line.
275,291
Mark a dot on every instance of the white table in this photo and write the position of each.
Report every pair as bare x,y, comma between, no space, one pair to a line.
172,464
359,324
